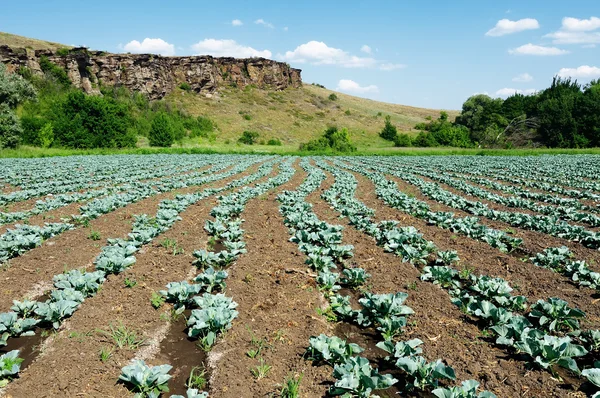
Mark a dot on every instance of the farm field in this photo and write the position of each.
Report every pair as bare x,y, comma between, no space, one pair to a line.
287,276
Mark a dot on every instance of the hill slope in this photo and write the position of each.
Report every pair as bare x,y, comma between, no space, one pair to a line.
298,115
25,42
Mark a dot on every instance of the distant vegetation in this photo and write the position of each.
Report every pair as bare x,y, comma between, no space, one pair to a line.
54,114
332,140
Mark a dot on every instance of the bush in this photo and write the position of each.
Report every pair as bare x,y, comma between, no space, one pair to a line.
333,97
425,139
331,140
402,140
389,131
185,86
247,117
82,121
274,141
248,137
54,71
10,128
45,136
161,133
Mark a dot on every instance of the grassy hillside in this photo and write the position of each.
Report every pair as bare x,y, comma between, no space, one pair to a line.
25,42
298,115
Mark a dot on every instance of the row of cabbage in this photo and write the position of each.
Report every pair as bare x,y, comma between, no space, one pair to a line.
15,242
550,225
540,334
355,375
212,312
73,287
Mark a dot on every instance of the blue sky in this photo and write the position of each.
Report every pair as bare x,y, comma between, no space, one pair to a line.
423,53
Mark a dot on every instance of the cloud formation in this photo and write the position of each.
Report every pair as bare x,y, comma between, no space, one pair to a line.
236,22
319,53
577,31
351,86
227,48
264,23
584,72
150,46
523,78
366,49
532,49
506,26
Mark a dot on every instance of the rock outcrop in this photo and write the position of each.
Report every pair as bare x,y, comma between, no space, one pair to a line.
155,75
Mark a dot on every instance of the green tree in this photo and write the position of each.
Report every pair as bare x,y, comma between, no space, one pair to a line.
587,113
161,132
249,137
389,131
482,114
14,90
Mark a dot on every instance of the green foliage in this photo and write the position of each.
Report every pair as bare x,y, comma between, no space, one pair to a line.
389,131
185,86
161,133
333,97
14,89
332,140
63,52
249,137
146,381
46,136
274,142
54,71
442,132
402,140
10,128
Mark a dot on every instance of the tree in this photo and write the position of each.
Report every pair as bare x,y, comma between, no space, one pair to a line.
587,113
482,115
331,140
13,91
249,137
161,132
389,131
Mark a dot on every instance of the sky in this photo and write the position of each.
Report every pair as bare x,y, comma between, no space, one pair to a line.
425,53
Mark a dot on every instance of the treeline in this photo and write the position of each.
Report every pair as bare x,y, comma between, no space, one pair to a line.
565,115
48,112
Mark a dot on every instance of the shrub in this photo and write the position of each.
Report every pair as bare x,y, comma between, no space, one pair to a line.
425,139
389,131
331,140
274,141
46,136
161,133
62,52
10,128
333,97
82,121
247,117
402,140
348,113
185,86
248,137
55,71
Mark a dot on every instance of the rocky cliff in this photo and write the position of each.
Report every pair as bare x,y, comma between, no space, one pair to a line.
156,75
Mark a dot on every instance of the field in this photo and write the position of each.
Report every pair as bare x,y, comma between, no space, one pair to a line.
258,275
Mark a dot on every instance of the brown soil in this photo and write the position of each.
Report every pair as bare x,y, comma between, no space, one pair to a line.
277,301
447,334
69,364
32,272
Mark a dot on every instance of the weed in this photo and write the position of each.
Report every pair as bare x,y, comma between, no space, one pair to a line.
130,282
261,371
327,313
94,235
291,386
124,337
105,353
412,286
157,300
197,378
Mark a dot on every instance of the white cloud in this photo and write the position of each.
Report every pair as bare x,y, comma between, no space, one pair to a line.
319,53
523,78
581,25
584,72
150,46
351,86
285,28
507,92
366,49
506,26
227,48
389,67
577,31
264,23
237,22
532,49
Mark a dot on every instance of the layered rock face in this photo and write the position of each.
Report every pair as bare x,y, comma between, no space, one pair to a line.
155,75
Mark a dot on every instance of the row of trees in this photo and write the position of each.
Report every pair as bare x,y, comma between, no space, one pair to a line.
565,115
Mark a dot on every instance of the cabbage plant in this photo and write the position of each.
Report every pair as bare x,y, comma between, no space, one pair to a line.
331,350
357,378
144,380
10,364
